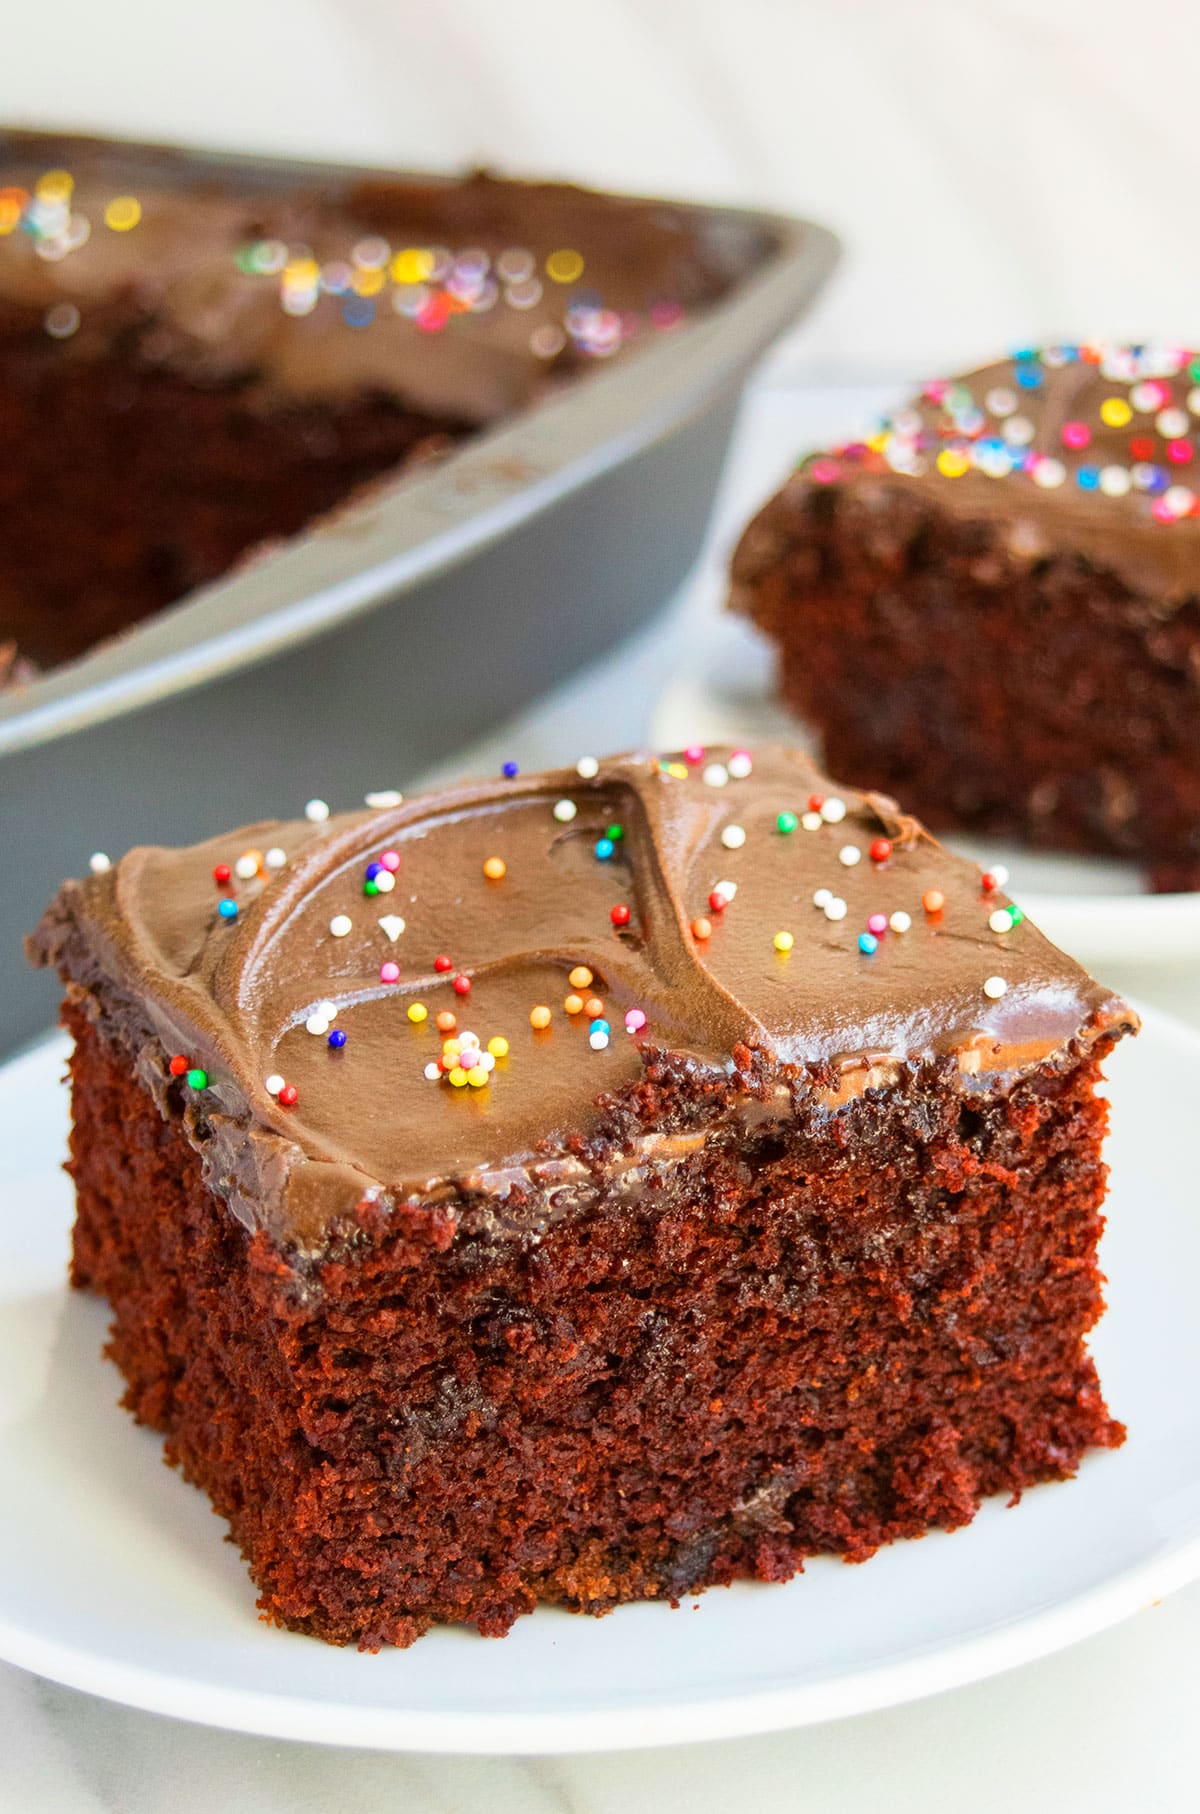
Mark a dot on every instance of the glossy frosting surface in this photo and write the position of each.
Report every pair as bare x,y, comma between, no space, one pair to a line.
463,298
1091,449
234,996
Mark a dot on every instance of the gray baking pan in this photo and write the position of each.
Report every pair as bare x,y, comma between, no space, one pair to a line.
398,628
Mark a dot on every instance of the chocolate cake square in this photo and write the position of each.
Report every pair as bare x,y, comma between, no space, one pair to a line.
585,1186
992,606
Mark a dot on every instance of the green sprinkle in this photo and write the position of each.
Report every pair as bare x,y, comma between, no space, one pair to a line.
787,822
616,833
1015,914
197,1080
370,888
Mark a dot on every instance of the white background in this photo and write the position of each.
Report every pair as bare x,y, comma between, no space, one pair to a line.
1000,171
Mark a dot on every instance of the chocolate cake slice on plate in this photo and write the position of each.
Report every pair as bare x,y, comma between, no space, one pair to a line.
992,606
585,1186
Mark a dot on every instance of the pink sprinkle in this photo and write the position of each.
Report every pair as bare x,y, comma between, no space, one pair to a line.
877,924
1179,451
389,973
1076,434
824,471
635,1020
694,753
390,860
1162,511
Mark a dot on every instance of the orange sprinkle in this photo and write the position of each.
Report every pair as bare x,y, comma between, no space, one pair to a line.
446,1022
701,929
580,977
594,1006
933,900
494,868
539,1017
574,1004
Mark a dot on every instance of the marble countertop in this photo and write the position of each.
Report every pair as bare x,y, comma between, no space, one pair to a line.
1105,1726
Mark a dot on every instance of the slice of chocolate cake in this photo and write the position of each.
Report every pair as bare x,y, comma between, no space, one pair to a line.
584,1187
992,607
199,355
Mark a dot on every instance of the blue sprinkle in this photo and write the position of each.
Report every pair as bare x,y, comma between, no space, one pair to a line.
227,909
1157,481
1029,377
599,1026
337,1039
509,770
1024,353
1087,478
359,313
604,849
868,944
373,870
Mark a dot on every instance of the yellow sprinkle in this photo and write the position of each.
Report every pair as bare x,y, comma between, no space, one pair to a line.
877,443
564,267
494,868
301,273
477,1076
677,771
367,283
498,1046
784,941
122,213
412,265
417,1012
457,1076
952,464
451,1048
573,1004
56,185
580,977
1115,412
539,1017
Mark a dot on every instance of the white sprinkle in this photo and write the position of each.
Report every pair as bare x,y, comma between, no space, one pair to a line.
1179,499
487,1060
1171,423
811,821
99,863
1001,920
244,868
733,837
565,811
273,1084
728,889
715,775
340,925
433,1072
900,922
316,811
316,1023
1144,397
387,796
385,881
587,768
1001,402
1019,431
327,1009
740,765
275,857
822,897
999,874
833,811
849,854
835,908
994,987
392,924
597,1041
1049,474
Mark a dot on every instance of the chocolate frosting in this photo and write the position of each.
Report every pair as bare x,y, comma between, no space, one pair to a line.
233,273
824,1020
1089,450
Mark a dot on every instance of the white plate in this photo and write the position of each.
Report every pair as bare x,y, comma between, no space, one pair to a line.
1092,907
114,1576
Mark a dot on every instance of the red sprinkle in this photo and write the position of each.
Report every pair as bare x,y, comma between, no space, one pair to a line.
718,901
815,802
987,881
288,1095
881,850
462,985
178,1067
222,874
619,915
443,963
